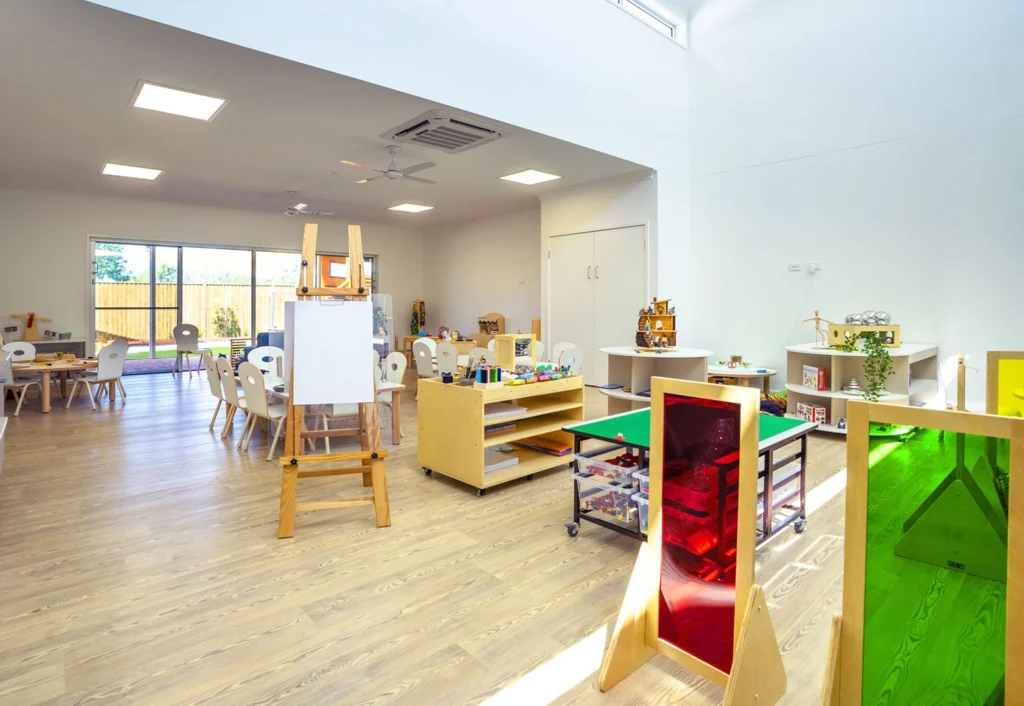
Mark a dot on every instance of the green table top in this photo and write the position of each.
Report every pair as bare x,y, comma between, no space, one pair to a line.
635,427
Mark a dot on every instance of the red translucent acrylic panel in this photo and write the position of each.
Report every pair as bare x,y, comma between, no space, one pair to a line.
699,515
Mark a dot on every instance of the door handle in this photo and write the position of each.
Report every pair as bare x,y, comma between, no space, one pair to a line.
597,272
588,271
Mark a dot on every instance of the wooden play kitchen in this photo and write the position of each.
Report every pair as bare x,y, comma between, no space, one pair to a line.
454,424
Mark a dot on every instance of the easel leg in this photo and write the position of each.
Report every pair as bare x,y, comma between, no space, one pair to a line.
289,487
380,492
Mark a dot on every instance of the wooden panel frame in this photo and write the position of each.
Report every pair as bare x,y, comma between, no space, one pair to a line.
859,417
992,377
625,652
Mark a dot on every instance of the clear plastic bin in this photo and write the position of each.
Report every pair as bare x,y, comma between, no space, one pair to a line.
643,479
643,507
608,471
611,501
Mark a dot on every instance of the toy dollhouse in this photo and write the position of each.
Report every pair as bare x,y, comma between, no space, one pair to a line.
656,327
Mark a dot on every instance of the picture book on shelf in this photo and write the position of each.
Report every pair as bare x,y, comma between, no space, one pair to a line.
815,378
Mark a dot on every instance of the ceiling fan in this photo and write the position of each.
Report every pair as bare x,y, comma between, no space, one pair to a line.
393,172
301,209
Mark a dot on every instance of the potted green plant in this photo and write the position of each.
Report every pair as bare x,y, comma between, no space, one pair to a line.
877,364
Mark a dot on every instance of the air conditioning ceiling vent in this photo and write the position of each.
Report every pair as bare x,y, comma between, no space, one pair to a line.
443,131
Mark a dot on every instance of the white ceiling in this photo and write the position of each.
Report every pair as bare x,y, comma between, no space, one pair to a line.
68,70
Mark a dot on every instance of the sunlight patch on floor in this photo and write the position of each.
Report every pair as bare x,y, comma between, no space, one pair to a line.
556,676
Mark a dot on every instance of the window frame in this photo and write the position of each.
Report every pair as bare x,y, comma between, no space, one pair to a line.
657,14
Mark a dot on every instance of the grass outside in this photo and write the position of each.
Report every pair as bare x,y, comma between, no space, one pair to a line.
170,353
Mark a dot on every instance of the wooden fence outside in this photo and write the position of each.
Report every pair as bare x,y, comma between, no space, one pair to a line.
201,304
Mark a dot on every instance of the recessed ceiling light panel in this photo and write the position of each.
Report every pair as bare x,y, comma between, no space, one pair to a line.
411,208
176,102
123,170
530,177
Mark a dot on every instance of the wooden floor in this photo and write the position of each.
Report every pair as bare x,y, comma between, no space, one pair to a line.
139,563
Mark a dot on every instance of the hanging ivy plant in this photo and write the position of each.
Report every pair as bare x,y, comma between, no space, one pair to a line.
877,365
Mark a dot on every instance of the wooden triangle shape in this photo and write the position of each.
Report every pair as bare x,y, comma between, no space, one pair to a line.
758,677
627,651
956,532
985,476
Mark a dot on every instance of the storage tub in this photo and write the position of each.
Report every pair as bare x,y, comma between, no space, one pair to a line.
609,471
643,508
643,479
611,501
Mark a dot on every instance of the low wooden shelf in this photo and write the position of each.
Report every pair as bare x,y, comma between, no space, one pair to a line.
913,382
451,427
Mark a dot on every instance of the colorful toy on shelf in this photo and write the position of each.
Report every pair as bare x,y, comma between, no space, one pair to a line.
510,348
443,333
656,328
419,317
30,319
822,333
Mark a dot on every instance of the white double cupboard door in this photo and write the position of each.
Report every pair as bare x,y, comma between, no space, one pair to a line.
597,284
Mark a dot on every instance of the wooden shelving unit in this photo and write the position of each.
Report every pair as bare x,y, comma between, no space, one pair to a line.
452,427
633,371
914,380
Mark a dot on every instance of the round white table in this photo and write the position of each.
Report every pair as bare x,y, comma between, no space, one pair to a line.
630,371
743,375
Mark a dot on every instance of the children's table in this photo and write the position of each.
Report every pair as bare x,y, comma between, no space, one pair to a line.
631,431
742,375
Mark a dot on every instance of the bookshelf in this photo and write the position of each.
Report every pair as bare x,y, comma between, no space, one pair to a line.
914,380
452,428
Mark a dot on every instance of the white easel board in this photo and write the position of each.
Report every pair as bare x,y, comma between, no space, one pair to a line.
329,346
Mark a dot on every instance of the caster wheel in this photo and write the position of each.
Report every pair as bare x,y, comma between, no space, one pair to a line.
573,529
427,471
481,492
529,477
799,526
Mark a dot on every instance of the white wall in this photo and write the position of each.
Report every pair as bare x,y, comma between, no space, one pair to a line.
599,206
482,266
579,70
45,260
883,140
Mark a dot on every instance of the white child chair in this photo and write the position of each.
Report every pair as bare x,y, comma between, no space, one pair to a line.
394,374
447,358
213,375
186,338
266,359
110,368
7,382
257,407
572,357
229,386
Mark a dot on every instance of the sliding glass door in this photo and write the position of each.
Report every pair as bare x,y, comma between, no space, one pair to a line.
141,291
135,295
217,294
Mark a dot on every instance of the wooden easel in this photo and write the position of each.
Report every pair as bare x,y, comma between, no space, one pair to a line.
372,454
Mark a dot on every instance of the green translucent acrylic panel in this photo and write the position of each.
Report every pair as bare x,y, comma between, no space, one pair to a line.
935,575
